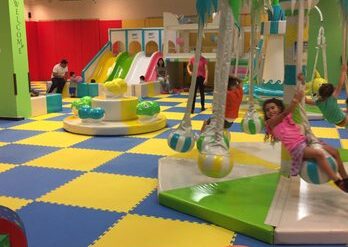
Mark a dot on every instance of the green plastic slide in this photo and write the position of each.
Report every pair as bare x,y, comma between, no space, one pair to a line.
122,66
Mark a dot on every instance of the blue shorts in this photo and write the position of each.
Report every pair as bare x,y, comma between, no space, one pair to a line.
72,90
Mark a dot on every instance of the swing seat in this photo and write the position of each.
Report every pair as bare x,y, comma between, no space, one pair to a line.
312,173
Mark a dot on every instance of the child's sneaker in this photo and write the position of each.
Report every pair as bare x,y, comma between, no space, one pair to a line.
342,185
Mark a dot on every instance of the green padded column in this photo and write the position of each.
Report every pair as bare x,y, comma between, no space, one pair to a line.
14,97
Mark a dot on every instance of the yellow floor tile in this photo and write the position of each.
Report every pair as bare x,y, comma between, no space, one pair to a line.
50,115
69,100
40,125
163,108
171,100
153,146
13,203
344,143
54,139
5,167
173,115
75,159
3,144
197,124
103,191
325,132
242,137
154,232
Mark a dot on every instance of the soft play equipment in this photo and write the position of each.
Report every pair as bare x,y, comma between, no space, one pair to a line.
147,110
106,66
12,231
77,104
44,104
14,94
253,199
87,89
252,123
274,30
89,114
114,113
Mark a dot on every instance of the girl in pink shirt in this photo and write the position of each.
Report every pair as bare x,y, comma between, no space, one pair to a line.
281,127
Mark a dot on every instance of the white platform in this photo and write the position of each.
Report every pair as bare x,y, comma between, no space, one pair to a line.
309,214
176,172
38,106
117,109
75,125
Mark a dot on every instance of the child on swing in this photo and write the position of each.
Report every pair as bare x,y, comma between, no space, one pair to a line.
280,126
327,101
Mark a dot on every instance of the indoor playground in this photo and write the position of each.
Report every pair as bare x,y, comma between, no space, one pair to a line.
211,123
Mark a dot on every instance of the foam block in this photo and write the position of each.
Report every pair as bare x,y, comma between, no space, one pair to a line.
38,106
54,103
148,89
93,89
82,90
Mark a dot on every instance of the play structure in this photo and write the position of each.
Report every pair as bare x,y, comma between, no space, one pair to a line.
12,231
129,54
114,113
255,195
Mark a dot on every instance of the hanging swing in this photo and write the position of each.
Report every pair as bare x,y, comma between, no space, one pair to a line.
316,80
252,123
310,170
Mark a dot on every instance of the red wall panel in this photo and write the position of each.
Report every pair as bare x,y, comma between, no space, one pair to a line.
33,49
78,41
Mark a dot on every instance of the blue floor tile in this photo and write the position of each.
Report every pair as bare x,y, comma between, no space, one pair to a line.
114,143
321,123
9,135
18,154
343,133
171,123
66,110
164,135
168,103
55,225
142,165
59,118
175,109
33,182
201,117
12,123
332,142
151,207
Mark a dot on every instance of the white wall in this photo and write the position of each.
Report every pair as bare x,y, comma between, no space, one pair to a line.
106,9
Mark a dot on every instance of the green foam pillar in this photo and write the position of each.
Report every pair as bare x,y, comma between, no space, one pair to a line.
14,76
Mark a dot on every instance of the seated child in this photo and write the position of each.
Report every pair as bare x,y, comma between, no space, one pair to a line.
74,80
234,99
142,79
281,127
327,100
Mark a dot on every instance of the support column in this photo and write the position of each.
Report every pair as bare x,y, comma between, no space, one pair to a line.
14,77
